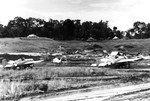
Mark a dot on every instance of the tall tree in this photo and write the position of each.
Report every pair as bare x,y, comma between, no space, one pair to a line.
68,30
140,29
77,25
34,25
17,27
86,30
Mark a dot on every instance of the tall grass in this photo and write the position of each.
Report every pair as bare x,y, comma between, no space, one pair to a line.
11,89
14,90
34,81
49,73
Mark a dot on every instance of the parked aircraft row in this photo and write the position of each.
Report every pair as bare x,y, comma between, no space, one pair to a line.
114,58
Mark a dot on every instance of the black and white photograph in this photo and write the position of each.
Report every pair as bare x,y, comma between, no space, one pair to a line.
74,50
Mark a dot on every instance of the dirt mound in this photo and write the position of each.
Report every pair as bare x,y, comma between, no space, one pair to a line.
92,47
125,46
72,51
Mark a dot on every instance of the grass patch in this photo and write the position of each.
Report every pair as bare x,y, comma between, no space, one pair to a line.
18,45
14,90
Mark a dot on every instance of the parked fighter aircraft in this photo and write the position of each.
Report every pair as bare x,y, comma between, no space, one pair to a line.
119,61
19,64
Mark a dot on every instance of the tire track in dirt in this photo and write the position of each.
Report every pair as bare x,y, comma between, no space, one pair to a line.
99,95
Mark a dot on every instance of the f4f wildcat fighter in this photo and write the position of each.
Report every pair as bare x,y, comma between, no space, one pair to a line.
119,60
19,64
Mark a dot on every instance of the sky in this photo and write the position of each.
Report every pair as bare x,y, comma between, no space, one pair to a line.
119,13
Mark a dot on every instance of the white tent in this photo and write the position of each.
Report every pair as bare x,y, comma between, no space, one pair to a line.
91,39
115,38
32,36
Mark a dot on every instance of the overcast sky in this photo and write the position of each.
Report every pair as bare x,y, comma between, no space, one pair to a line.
119,13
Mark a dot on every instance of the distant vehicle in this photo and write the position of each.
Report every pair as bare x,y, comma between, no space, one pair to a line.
19,64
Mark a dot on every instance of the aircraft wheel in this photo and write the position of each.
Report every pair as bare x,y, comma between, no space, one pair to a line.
14,68
18,67
30,67
128,65
109,63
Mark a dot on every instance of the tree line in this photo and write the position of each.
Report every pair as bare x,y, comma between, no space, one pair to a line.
70,29
59,30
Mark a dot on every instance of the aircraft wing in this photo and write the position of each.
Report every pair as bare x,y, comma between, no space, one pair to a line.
102,64
128,60
9,66
33,62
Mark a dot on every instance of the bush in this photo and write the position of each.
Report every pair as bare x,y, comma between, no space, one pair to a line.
11,89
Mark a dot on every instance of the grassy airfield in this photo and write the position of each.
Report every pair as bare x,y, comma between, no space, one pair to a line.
46,79
38,45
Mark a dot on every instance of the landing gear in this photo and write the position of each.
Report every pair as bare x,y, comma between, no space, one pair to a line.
123,65
21,67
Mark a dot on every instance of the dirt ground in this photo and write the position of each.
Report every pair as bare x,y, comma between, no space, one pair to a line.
138,92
